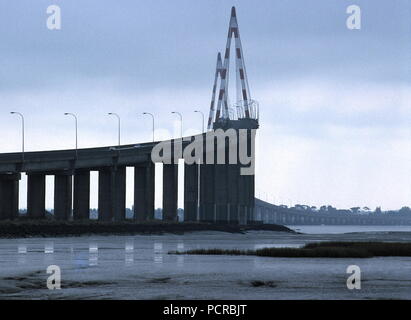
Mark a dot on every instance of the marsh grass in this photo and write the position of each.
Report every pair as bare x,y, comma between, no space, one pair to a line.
319,250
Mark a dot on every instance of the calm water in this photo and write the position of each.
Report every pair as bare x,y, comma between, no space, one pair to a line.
139,267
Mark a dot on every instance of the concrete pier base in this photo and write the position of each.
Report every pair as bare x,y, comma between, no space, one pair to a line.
190,192
36,195
233,213
233,172
221,193
242,215
144,188
112,194
81,194
207,203
170,192
9,196
62,196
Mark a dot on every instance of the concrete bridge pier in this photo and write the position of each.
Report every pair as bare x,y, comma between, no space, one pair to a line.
36,195
221,193
207,204
63,188
243,199
144,186
190,192
170,192
81,200
233,171
251,198
233,213
242,214
112,194
9,196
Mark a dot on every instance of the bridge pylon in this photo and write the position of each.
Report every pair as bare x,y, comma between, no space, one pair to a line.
226,195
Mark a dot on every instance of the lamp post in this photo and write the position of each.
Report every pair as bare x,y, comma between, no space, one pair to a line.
75,126
119,126
199,170
152,116
22,132
202,116
181,122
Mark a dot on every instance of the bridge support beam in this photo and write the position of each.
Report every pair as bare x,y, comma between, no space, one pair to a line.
112,194
36,195
144,190
81,201
190,192
62,196
9,196
170,192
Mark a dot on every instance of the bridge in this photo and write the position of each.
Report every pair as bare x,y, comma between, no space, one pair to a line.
71,170
268,213
215,191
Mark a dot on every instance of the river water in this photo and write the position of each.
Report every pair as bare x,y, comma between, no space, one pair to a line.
139,267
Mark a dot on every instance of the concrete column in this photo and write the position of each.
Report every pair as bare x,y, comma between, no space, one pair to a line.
112,194
105,210
247,186
9,196
243,199
233,196
242,214
250,198
190,192
207,207
246,196
62,196
170,192
221,188
144,189
120,194
36,195
81,201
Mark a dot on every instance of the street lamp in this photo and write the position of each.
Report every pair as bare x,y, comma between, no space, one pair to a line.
181,122
22,132
202,115
152,116
119,125
199,171
75,123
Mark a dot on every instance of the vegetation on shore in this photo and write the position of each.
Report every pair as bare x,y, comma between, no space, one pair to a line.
53,228
319,250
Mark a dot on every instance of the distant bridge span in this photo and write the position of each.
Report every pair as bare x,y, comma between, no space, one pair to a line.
269,213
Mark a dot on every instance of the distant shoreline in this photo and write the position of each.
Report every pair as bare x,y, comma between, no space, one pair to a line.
44,228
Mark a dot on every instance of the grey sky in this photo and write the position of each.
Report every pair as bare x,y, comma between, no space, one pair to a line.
334,102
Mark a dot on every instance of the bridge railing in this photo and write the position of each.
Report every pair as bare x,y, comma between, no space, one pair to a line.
237,111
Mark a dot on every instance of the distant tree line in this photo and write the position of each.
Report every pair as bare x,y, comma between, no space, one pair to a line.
353,210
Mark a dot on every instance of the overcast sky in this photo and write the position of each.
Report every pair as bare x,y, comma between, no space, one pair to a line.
335,103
